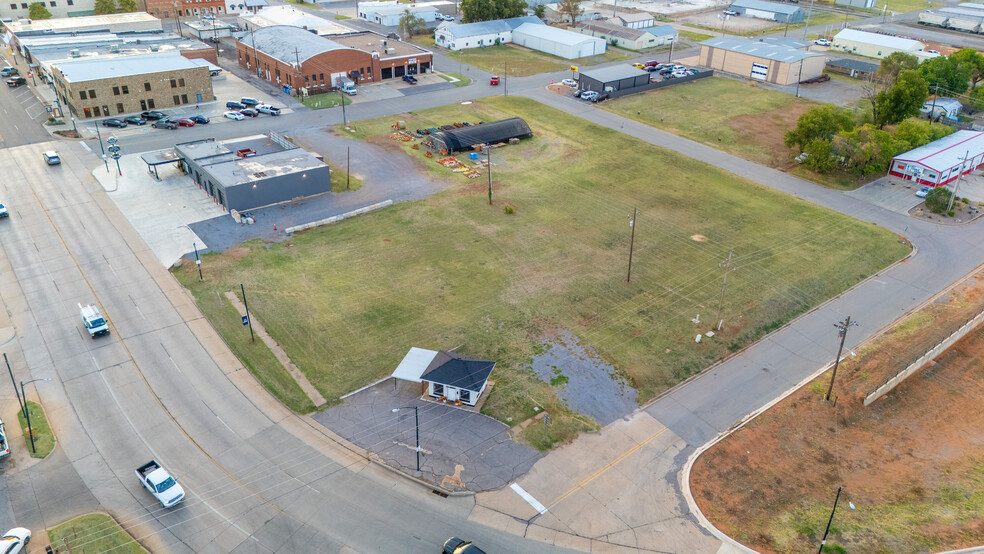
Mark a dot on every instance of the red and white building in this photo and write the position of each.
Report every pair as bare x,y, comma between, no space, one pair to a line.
941,162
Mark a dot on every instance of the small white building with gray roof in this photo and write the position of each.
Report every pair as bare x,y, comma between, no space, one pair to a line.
783,13
459,36
781,61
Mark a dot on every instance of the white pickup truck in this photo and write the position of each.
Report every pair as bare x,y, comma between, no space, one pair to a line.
159,482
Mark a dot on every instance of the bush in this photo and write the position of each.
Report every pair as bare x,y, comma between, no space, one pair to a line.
508,210
938,199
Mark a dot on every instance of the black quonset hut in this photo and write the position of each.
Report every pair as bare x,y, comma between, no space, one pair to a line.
465,138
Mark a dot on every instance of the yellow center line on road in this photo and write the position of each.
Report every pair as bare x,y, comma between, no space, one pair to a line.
608,466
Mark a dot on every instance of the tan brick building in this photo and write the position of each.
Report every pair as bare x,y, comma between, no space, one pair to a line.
292,56
165,9
114,86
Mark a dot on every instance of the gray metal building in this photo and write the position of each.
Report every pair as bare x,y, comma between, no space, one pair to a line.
245,174
783,13
618,78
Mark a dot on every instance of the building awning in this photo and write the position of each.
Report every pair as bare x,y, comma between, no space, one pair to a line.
414,364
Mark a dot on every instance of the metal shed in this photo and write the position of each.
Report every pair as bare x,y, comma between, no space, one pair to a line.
783,13
465,138
614,78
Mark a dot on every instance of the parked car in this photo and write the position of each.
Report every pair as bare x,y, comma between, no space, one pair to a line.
234,115
822,42
494,80
184,122
201,119
51,158
651,68
600,98
164,124
9,72
569,82
15,540
446,18
666,70
454,545
730,12
113,122
933,52
652,63
638,66
268,109
923,192
589,95
136,120
235,105
208,17
410,79
153,115
16,82
249,112
4,447
249,101
3,213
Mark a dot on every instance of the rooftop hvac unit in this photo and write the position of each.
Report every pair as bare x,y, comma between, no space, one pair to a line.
154,48
115,48
391,50
75,53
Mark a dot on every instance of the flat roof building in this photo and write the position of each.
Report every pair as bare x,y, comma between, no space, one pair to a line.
773,60
110,23
783,13
942,161
289,15
853,68
616,80
251,173
873,45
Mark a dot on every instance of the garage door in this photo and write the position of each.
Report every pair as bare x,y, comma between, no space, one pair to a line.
759,71
762,14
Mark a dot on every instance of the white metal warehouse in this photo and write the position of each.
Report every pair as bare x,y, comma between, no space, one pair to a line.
873,45
939,162
558,42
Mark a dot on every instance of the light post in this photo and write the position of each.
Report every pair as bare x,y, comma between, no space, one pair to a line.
416,418
27,413
488,160
99,136
11,371
198,261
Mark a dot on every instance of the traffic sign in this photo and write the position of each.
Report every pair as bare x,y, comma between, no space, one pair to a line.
245,320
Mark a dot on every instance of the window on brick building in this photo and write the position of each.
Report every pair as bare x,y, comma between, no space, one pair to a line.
82,95
174,83
177,100
181,82
23,6
13,6
184,98
92,94
116,91
126,89
119,107
147,86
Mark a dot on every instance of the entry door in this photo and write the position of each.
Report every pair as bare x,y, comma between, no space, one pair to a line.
198,98
452,393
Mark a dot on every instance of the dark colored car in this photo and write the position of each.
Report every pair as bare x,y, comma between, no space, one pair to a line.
114,123
199,119
650,68
600,98
184,122
249,101
153,115
666,70
136,120
235,105
454,545
410,79
16,82
164,124
249,112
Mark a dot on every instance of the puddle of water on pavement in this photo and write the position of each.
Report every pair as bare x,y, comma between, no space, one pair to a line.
583,380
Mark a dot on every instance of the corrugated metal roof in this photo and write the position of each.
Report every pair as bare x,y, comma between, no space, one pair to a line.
946,152
634,17
479,28
765,6
414,364
612,30
662,31
560,36
613,73
280,42
876,39
105,68
857,65
779,50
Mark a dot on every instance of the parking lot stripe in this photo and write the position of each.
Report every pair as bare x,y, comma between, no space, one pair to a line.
528,498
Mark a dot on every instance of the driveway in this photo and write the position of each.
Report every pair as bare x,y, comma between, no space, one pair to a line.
892,194
460,450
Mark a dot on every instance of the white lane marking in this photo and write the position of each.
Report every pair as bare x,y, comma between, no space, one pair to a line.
528,498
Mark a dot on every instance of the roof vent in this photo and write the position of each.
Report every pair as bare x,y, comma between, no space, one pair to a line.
154,48
75,53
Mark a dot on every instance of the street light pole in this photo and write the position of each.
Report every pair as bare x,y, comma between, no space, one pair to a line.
27,413
632,220
99,136
829,521
19,403
488,161
198,261
416,419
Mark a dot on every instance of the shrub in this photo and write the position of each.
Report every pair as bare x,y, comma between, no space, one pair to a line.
508,210
938,199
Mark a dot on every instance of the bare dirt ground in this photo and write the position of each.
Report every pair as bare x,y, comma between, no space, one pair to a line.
767,129
733,24
911,464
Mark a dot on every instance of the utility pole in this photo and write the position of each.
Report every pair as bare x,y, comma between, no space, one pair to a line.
341,98
842,328
19,403
727,269
249,320
808,12
505,80
799,78
348,166
963,167
198,261
488,161
256,59
932,112
829,521
632,220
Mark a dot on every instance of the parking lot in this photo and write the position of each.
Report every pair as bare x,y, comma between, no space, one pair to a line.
731,24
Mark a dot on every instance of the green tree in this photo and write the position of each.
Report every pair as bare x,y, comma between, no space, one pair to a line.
977,98
953,78
894,64
972,59
38,11
104,7
902,100
913,133
410,24
938,199
570,9
819,123
866,149
487,10
540,10
128,6
821,156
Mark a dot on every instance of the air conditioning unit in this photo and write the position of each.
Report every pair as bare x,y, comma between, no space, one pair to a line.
75,53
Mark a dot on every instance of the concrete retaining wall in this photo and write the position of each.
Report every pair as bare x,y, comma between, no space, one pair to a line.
337,218
929,355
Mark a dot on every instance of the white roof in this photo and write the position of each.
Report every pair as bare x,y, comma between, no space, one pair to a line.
877,39
289,15
414,364
569,38
946,152
105,68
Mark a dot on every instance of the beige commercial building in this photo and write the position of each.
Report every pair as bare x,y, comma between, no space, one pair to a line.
773,60
114,86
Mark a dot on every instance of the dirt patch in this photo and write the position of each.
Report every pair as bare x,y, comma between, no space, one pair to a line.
560,89
911,463
768,129
237,252
698,238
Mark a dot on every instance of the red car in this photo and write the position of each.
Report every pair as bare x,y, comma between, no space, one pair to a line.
494,80
184,122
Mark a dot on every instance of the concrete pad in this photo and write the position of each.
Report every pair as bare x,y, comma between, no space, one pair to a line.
496,520
890,193
574,542
542,534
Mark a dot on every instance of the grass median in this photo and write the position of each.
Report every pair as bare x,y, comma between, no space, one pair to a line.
44,439
93,533
348,301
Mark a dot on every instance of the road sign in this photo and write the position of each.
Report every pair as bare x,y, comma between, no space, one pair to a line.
245,320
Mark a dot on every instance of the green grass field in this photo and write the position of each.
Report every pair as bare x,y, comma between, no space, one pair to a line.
348,301
44,439
462,80
93,533
694,37
517,61
706,111
326,100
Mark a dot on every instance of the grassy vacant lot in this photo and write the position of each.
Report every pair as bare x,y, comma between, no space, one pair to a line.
44,439
695,37
326,100
461,79
348,301
520,62
912,463
736,116
94,533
